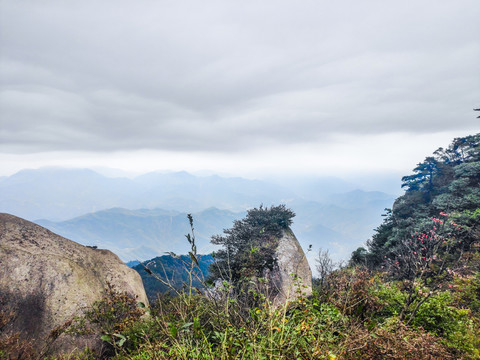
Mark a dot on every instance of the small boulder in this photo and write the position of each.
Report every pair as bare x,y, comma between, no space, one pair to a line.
47,280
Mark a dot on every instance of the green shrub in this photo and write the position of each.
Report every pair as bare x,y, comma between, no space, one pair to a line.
391,298
248,247
466,292
115,317
439,316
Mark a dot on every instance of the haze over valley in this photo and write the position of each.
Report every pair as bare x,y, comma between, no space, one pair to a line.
143,217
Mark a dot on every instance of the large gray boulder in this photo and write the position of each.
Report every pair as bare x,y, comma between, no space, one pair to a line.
291,276
48,279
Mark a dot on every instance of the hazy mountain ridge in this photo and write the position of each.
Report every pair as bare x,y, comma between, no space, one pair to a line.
61,194
144,217
142,234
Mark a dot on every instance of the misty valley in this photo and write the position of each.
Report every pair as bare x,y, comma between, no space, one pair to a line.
145,217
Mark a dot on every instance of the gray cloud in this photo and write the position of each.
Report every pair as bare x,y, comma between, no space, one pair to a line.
225,76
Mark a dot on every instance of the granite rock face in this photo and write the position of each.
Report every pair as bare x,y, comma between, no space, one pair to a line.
48,279
292,275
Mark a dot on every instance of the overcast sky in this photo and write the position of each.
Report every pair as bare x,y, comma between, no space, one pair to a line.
243,87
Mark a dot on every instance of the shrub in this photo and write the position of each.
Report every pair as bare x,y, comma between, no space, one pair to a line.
439,317
466,292
248,247
394,340
114,317
353,292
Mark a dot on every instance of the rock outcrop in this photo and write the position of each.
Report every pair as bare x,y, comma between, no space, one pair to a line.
48,279
291,276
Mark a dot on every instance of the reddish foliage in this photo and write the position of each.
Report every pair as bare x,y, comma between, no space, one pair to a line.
351,293
397,341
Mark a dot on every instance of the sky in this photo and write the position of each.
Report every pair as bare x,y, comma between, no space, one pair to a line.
241,87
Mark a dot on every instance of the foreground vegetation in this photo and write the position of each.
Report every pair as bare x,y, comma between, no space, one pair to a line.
356,314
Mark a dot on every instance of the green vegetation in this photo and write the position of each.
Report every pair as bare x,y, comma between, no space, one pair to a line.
248,247
413,293
355,319
445,186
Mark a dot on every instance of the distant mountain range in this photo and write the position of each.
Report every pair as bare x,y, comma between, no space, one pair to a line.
61,194
143,234
144,217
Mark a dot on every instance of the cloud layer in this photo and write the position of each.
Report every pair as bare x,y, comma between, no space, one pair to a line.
228,76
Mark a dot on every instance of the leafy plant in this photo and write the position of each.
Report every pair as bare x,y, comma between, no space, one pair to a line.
113,317
248,247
